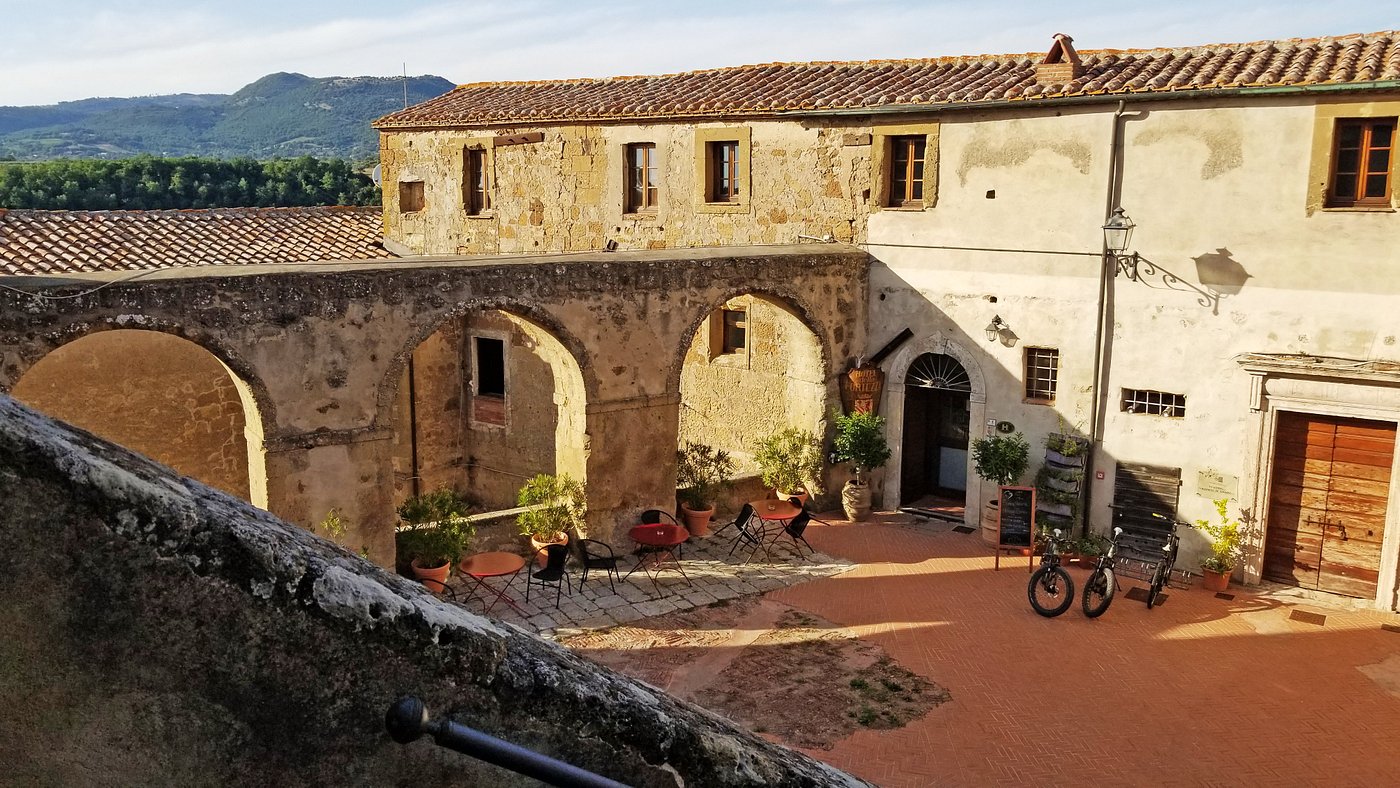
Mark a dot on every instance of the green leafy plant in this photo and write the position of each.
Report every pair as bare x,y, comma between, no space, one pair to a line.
860,440
436,528
702,471
790,459
1091,545
331,525
1001,458
1226,539
1065,445
557,504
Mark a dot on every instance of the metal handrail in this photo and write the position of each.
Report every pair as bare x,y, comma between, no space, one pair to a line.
407,720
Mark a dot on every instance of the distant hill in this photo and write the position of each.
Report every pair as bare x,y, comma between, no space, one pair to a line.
280,115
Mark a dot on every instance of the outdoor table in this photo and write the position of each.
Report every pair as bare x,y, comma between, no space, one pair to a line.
657,542
498,564
775,514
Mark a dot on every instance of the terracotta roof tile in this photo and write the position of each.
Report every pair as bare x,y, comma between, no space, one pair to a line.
62,242
776,87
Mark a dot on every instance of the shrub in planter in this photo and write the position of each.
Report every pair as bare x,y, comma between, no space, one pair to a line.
1001,459
860,440
791,461
435,531
1226,546
557,506
702,473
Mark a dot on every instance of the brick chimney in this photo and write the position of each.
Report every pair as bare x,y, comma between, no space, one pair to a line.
1061,64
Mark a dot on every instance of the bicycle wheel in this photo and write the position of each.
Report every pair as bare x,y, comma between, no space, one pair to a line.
1159,579
1051,591
1098,592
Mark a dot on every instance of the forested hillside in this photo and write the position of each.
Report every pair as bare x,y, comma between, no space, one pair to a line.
149,183
280,115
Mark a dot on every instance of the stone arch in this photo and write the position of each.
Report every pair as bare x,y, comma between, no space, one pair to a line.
899,366
730,400
442,434
208,422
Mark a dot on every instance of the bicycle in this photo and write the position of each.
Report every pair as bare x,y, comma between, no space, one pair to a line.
1162,574
1051,580
1101,585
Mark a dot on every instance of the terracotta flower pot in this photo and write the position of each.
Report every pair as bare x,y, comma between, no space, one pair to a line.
800,495
697,521
434,577
1212,580
536,546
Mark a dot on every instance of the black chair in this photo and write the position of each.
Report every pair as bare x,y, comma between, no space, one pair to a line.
794,529
744,514
597,555
750,529
555,571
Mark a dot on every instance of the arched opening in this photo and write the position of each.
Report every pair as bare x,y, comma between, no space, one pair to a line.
160,395
753,367
933,461
487,401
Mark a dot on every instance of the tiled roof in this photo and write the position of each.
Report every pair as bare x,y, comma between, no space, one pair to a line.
56,242
779,87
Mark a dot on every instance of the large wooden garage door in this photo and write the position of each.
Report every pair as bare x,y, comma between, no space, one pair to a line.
1327,503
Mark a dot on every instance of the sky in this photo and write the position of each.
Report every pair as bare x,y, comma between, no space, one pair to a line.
61,51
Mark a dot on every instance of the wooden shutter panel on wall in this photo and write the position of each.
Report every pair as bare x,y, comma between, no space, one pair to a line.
1139,492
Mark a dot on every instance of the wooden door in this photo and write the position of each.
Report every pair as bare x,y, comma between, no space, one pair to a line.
913,478
1327,503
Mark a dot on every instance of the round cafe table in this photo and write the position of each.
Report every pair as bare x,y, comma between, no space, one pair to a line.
498,564
658,543
773,509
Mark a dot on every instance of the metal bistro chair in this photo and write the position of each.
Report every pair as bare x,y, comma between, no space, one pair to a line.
597,555
750,531
555,571
744,514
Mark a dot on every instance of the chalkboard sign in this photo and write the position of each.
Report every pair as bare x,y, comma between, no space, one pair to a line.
1016,523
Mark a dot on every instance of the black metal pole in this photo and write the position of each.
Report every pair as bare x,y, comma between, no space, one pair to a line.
407,719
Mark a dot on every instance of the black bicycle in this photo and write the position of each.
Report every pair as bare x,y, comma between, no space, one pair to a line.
1163,573
1051,590
1101,585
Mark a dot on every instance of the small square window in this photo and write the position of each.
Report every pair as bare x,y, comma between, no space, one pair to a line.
410,196
1153,403
1042,373
643,190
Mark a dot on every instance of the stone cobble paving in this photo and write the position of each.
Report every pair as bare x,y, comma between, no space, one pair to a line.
714,576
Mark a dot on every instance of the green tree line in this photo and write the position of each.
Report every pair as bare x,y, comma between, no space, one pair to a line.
153,183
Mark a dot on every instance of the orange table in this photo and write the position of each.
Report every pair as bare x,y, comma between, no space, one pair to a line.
657,542
498,564
775,514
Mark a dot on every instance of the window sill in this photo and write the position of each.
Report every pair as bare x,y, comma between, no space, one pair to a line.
1034,401
1358,209
904,208
482,215
740,206
645,216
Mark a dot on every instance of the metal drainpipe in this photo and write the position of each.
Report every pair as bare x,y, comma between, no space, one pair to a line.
1106,270
412,427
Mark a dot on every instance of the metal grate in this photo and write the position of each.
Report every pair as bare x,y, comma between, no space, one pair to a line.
938,371
1155,403
1042,372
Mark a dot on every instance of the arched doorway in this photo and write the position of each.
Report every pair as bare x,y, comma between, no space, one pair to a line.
933,461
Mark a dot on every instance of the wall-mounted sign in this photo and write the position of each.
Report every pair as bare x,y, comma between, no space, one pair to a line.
1213,484
1005,427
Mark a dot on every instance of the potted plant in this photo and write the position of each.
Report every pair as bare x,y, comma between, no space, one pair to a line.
791,463
553,505
702,471
1226,547
860,440
1000,459
435,532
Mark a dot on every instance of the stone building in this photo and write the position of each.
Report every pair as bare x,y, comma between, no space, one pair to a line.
1242,347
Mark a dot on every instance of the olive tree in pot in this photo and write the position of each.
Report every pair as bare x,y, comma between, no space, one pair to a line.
1226,548
860,440
791,463
999,459
435,532
553,506
702,472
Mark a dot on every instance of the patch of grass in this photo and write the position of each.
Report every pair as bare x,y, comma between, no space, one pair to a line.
892,686
866,716
859,684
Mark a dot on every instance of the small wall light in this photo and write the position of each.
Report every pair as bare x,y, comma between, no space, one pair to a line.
995,328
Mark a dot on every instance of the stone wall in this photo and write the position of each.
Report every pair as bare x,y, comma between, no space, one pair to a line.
154,393
158,632
565,193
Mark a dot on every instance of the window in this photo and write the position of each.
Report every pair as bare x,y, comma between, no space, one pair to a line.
723,171
641,178
1155,403
735,330
489,368
410,196
1042,371
1361,161
907,171
476,188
